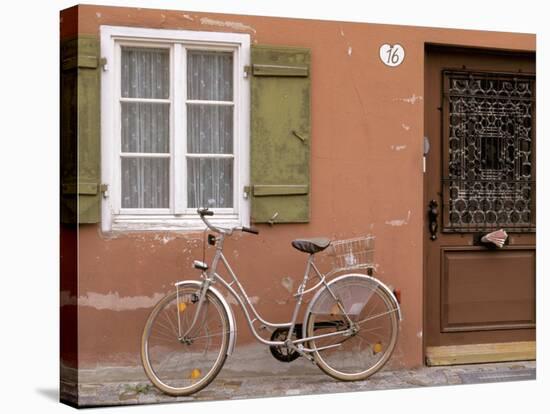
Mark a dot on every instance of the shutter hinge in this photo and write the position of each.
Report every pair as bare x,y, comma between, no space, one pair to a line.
247,71
271,221
104,188
246,192
103,63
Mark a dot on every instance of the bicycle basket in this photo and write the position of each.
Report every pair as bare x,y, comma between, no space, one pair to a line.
356,253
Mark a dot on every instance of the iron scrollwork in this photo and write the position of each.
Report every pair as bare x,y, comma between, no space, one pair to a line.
490,142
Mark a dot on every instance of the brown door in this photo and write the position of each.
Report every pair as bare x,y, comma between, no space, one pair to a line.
480,177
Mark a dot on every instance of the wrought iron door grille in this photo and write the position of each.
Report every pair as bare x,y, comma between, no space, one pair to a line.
488,122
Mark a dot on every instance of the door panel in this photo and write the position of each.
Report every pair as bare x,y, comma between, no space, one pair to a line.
484,290
480,172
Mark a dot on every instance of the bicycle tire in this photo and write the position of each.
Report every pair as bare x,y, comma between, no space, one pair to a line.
170,364
356,364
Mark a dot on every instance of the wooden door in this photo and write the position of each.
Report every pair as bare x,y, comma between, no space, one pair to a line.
480,177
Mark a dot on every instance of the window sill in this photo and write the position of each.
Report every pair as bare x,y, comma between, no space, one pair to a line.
128,223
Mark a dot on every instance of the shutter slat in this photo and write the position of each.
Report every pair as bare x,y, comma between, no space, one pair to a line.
279,70
272,190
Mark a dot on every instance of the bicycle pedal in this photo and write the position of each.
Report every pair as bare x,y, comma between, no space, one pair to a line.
301,351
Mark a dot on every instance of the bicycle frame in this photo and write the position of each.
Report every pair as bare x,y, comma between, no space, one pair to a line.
211,277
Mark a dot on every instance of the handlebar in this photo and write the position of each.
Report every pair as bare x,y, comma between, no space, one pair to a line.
203,212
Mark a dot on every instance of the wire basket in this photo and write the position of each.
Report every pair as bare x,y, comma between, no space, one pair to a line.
352,253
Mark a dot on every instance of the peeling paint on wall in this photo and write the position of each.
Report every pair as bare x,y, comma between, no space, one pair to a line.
165,238
405,127
399,222
186,16
412,100
398,147
288,283
110,301
232,25
349,50
254,300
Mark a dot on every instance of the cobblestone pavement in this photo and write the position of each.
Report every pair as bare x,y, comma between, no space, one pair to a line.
232,385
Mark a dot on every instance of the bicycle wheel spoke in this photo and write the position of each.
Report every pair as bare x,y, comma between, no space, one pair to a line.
165,336
168,341
209,335
168,329
174,329
376,316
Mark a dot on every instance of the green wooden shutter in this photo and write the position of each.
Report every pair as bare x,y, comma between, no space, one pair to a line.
80,126
280,134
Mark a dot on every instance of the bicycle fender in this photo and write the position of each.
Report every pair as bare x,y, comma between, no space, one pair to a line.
231,316
372,279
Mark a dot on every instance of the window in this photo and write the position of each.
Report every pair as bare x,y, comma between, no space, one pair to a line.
175,120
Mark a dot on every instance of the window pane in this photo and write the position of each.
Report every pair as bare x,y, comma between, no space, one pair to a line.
210,182
210,75
209,129
145,127
145,182
145,73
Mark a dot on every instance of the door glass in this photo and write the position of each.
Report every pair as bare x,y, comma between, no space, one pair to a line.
489,134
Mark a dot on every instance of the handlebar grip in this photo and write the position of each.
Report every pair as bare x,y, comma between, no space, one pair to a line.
205,212
251,230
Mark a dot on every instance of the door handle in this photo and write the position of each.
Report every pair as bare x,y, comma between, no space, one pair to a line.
433,212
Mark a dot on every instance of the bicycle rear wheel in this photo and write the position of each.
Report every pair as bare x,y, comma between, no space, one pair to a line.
374,312
184,366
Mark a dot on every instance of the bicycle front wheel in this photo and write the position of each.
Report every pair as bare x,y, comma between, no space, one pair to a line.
184,365
374,314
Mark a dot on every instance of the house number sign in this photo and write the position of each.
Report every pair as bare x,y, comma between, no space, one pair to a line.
392,55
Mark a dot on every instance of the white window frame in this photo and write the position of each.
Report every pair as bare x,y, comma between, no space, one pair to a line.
177,217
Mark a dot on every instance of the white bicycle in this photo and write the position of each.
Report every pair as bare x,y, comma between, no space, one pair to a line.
349,329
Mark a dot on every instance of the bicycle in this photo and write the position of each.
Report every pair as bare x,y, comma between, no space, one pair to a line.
349,329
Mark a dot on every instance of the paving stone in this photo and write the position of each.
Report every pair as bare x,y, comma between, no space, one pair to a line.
229,388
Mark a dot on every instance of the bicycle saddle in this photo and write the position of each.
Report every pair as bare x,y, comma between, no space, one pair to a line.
314,245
